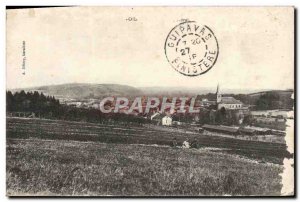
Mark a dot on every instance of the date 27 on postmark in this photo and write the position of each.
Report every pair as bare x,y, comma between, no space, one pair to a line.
191,49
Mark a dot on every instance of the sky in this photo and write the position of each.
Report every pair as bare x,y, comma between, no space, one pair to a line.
98,45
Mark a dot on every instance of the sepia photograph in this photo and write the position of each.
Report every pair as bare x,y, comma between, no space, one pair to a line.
150,101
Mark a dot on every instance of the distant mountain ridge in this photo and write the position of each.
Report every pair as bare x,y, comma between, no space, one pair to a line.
197,91
280,92
85,90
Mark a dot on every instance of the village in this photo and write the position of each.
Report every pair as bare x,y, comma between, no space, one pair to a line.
223,115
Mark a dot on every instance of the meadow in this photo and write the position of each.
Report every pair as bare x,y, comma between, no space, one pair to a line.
76,168
52,157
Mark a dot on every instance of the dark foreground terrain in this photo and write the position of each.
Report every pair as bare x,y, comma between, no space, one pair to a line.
47,157
128,134
55,167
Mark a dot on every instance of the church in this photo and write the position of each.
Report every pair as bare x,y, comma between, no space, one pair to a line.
227,102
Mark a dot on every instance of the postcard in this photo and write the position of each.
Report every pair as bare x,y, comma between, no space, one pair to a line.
150,101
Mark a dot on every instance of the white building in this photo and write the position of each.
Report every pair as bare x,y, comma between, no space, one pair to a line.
228,102
166,121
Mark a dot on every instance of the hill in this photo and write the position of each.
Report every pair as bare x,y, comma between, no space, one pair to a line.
85,90
275,99
192,91
279,92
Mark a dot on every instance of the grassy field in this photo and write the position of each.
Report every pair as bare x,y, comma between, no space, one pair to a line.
126,134
54,167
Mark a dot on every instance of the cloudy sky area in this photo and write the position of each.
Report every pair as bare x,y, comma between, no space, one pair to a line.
98,45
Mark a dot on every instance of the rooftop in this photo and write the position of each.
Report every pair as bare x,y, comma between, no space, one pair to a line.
220,128
230,100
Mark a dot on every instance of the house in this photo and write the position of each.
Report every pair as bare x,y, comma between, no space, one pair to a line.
166,121
161,119
228,102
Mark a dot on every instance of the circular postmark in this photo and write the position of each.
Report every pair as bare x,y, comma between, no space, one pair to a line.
191,49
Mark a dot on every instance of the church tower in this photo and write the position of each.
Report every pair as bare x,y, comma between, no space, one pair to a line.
219,96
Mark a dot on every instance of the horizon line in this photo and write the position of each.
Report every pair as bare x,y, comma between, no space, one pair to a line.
157,86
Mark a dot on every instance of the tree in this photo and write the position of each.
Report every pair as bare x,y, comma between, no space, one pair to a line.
221,116
9,101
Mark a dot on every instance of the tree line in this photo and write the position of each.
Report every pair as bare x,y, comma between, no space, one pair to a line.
49,107
273,100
